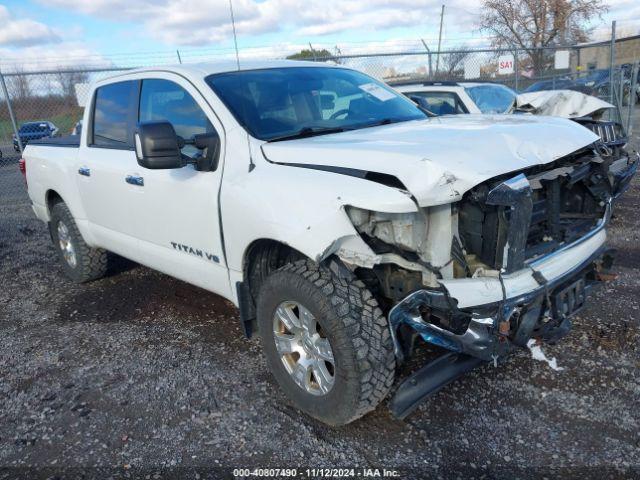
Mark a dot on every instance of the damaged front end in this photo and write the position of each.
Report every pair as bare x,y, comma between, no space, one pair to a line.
513,260
491,331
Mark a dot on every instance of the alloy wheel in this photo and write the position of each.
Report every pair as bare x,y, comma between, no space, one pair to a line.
303,347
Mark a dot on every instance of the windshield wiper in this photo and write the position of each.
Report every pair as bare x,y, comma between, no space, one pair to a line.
384,121
308,132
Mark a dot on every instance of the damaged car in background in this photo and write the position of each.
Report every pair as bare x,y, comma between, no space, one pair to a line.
448,98
345,222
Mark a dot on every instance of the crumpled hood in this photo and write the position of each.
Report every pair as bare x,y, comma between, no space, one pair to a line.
441,158
562,103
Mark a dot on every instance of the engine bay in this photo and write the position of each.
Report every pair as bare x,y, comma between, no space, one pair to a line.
498,227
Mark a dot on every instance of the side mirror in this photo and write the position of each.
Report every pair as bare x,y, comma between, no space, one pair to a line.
158,146
209,143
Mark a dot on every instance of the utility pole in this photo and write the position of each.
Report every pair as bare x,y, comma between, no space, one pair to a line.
439,40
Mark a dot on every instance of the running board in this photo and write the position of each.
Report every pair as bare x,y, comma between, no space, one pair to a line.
429,380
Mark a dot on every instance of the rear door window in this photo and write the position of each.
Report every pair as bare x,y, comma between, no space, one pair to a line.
114,114
440,103
492,98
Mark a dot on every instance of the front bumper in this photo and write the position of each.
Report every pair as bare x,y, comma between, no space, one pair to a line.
502,313
493,330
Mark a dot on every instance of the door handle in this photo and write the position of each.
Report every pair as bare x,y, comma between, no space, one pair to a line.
85,171
133,180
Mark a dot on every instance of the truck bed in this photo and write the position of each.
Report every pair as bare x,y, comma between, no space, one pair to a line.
52,165
64,141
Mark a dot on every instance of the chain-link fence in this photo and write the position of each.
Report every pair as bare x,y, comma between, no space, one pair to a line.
40,104
591,69
51,102
594,70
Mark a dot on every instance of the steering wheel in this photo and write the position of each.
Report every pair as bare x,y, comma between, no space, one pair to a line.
344,111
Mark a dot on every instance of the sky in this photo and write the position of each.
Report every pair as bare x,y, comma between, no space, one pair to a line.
49,33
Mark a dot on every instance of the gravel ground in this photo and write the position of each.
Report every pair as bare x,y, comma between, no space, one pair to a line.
139,374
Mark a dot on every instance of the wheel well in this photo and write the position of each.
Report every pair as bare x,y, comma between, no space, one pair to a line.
51,198
261,259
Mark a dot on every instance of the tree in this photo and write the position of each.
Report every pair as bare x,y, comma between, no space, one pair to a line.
453,61
532,25
308,54
67,79
18,84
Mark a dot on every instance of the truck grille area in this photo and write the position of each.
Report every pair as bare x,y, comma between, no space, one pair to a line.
610,133
506,221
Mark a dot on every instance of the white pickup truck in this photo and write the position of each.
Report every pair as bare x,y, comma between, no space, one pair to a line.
342,220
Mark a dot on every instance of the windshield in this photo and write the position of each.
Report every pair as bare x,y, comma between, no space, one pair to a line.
492,98
277,103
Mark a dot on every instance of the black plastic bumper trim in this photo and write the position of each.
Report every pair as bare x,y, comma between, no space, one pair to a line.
430,379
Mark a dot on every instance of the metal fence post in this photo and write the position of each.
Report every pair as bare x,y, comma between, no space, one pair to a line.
612,58
515,67
10,110
632,96
428,53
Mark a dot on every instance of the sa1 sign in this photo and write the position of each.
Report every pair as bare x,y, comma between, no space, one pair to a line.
505,64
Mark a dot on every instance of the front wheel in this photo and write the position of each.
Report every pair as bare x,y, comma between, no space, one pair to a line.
326,341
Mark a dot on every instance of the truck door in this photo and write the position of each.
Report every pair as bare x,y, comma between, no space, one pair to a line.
175,215
104,157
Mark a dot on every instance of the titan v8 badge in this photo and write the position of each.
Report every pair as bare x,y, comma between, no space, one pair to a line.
195,251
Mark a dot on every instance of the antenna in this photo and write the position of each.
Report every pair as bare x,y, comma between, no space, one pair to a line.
235,38
439,40
235,42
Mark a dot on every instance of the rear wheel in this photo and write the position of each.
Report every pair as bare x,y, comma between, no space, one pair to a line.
80,262
326,342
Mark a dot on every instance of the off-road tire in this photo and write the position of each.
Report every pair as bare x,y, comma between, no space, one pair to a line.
355,327
91,262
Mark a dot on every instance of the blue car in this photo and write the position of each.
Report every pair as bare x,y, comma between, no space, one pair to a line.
598,80
559,84
34,131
